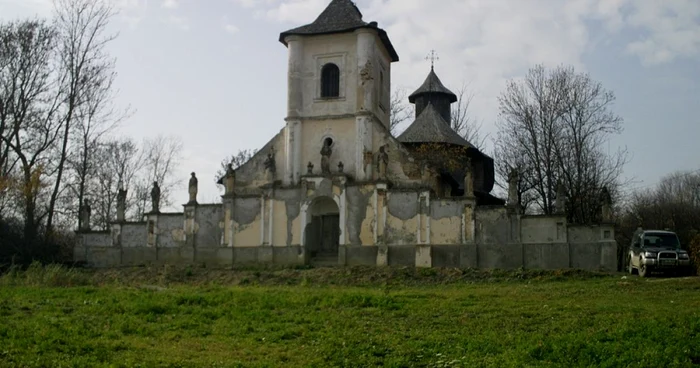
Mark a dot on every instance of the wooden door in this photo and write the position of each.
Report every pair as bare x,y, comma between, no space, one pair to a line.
330,234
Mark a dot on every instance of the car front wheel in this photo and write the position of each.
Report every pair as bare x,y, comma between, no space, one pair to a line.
643,270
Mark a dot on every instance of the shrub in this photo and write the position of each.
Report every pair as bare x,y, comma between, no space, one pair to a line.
694,251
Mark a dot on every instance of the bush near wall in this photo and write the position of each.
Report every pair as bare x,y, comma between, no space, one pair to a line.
15,250
694,250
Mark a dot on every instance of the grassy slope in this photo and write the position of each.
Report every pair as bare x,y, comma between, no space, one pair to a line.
436,321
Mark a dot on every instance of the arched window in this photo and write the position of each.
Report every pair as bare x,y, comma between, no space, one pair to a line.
330,80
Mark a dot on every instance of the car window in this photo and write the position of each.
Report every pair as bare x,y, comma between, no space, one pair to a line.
661,240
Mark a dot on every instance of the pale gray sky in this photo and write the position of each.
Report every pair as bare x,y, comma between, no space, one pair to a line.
213,73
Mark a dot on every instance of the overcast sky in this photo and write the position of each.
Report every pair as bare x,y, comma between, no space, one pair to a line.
213,72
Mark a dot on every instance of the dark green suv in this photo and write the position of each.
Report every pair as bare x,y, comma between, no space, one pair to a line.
656,250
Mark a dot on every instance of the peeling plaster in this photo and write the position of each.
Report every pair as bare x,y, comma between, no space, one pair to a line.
403,206
358,202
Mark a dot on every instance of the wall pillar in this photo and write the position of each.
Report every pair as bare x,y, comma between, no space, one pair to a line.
365,70
190,225
363,147
292,147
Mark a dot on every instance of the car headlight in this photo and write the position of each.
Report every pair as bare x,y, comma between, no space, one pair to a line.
649,255
683,256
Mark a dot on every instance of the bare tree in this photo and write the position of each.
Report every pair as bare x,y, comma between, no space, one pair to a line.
400,110
161,157
552,127
674,203
235,160
463,122
29,125
87,74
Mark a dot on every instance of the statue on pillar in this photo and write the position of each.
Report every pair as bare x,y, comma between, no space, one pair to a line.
229,179
326,153
382,162
85,212
155,198
560,208
193,189
513,200
468,179
121,204
606,205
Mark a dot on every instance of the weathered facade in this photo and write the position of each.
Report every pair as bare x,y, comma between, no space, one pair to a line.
335,187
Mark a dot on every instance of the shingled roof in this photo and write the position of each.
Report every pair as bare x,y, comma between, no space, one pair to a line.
432,84
339,17
430,127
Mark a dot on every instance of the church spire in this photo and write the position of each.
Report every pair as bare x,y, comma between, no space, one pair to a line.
432,91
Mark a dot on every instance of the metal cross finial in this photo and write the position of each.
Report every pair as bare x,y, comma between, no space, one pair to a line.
432,57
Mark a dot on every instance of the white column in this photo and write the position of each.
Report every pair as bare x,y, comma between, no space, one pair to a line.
295,106
262,220
366,39
342,210
270,222
292,147
295,95
363,143
375,221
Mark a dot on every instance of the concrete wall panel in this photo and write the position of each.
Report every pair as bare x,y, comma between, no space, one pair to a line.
546,256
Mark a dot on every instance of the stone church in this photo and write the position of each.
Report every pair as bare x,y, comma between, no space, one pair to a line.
335,187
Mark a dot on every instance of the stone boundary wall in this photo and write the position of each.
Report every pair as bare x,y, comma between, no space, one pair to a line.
587,256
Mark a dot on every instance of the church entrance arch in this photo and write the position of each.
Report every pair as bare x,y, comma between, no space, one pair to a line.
323,231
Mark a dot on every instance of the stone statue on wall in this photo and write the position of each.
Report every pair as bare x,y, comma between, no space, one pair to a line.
382,162
85,212
468,179
606,205
513,178
193,189
326,153
229,179
561,199
155,198
121,204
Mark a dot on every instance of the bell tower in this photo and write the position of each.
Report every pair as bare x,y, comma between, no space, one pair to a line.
338,89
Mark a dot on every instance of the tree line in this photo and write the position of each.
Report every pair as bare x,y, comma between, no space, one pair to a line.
60,147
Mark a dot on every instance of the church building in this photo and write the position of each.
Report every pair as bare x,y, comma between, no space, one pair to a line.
334,187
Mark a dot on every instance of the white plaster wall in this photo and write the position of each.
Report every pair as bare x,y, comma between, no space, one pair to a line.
339,49
342,131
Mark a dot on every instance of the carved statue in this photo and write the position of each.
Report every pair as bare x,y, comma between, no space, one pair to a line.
230,179
85,212
310,168
326,153
121,204
468,179
382,162
270,165
193,189
155,198
513,178
561,199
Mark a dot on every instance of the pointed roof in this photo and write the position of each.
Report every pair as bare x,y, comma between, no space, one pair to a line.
432,84
340,16
430,127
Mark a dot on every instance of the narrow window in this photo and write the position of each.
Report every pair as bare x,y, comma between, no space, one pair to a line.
330,81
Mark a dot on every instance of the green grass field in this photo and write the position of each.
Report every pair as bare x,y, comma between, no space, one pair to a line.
345,318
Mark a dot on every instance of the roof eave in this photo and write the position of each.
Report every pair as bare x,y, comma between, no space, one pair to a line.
383,36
